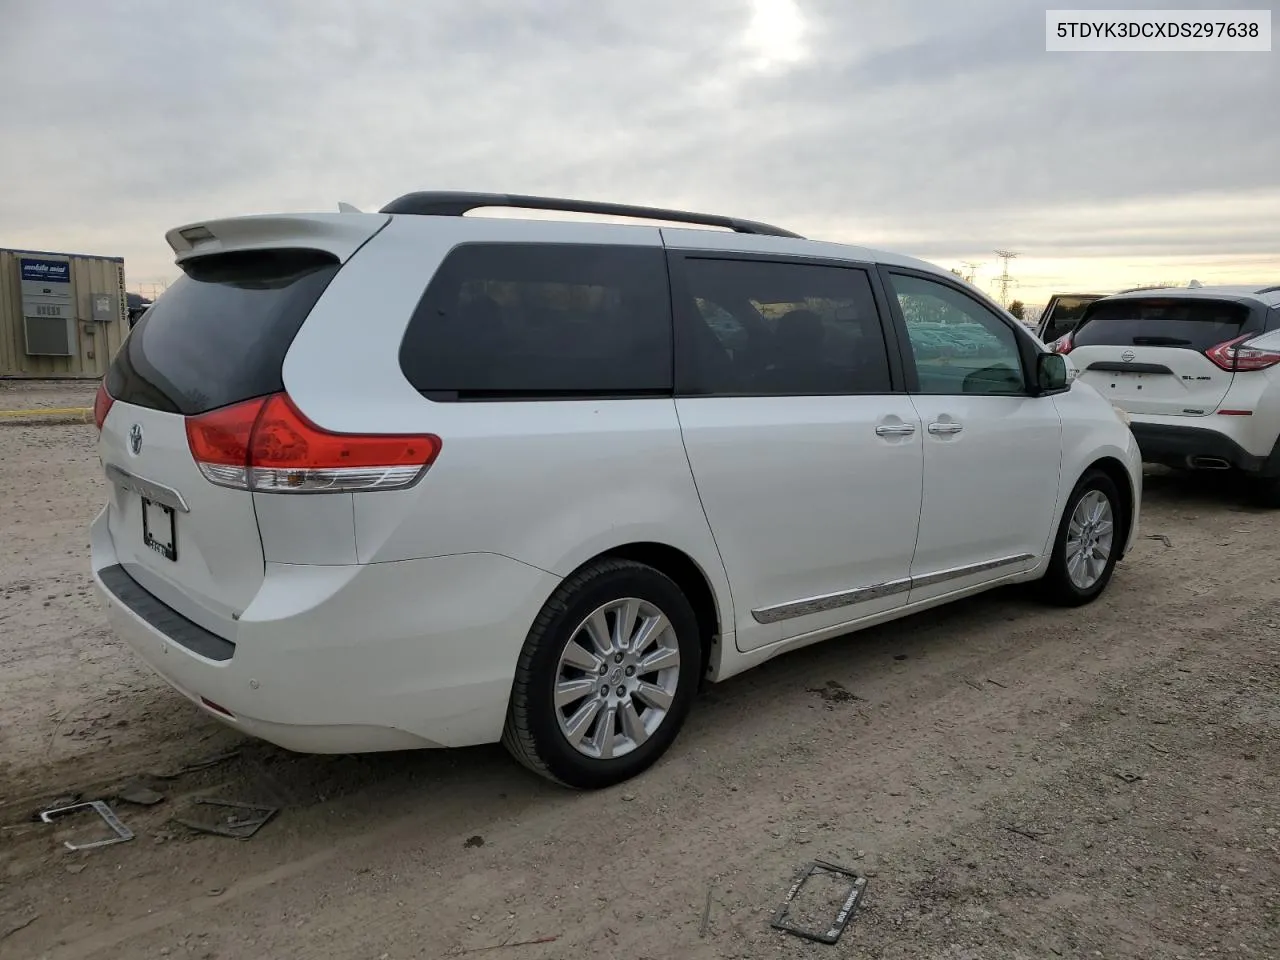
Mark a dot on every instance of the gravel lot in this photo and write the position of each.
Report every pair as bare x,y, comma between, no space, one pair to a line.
1016,782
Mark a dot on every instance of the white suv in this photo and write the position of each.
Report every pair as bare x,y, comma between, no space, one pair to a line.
417,479
1198,371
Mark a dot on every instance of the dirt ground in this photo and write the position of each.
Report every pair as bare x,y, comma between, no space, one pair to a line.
1014,782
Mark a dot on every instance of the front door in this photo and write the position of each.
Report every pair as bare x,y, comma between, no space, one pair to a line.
992,452
806,455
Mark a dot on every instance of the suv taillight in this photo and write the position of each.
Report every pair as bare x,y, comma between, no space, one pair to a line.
1062,345
102,405
267,445
1235,356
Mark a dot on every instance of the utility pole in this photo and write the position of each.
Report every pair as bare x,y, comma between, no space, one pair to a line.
1004,279
972,268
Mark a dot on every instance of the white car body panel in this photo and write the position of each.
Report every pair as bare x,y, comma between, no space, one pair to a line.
219,563
1004,462
1091,432
789,484
1196,389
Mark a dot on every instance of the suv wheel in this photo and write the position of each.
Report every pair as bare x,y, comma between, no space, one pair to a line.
606,676
1088,543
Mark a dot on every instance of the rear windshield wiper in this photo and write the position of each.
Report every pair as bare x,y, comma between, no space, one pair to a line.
1160,342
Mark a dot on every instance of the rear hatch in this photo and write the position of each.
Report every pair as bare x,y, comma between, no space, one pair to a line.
1062,313
216,337
1149,355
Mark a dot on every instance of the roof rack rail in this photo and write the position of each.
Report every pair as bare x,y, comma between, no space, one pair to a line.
433,203
1275,289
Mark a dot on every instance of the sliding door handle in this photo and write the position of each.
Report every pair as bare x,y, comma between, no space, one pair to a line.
943,428
895,430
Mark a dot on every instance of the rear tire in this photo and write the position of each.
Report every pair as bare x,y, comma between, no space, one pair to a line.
606,676
1266,492
1088,544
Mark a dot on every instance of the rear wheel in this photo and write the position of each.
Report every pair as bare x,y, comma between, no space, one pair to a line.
1088,543
606,677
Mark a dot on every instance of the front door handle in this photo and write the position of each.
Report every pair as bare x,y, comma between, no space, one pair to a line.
944,427
895,430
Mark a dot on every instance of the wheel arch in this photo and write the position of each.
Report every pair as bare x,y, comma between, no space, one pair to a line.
1116,472
688,575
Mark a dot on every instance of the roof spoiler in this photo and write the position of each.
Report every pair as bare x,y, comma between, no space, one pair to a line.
340,234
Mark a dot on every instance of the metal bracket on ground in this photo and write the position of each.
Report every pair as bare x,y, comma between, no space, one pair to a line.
236,827
122,833
831,933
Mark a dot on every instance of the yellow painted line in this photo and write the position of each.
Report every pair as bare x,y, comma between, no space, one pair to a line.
49,412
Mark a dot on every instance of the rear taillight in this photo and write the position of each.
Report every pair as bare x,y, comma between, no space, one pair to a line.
268,445
1236,357
1062,345
102,405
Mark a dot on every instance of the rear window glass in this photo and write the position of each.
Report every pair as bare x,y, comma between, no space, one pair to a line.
532,321
219,334
1193,324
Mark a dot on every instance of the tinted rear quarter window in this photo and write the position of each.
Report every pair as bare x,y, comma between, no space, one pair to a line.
775,328
1162,322
542,321
219,334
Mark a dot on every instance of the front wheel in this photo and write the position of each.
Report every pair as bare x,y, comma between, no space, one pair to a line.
606,677
1088,543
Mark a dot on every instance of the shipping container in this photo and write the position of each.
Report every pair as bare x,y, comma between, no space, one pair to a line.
61,314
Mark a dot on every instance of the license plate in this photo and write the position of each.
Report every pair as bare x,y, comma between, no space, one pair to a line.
158,529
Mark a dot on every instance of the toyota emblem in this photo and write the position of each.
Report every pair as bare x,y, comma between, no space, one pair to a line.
135,439
1128,356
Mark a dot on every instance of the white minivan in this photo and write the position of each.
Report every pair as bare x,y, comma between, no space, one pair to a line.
422,479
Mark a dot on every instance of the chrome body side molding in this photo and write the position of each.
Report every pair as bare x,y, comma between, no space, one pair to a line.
875,591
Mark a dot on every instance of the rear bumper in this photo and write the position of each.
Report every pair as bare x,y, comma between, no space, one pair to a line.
347,659
1174,445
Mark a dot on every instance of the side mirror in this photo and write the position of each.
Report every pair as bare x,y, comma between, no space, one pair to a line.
1051,373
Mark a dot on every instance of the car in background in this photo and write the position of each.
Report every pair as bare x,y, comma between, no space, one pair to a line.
420,479
1197,369
1062,313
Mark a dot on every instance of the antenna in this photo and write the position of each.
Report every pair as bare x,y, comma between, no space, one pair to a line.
347,208
1004,279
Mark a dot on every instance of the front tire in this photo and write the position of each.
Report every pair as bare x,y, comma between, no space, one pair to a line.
606,676
1088,544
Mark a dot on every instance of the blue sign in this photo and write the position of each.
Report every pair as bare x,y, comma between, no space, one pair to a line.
45,271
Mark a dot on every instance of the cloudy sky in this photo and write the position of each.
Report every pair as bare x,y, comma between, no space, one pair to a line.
939,128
